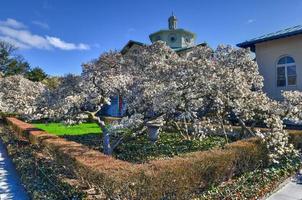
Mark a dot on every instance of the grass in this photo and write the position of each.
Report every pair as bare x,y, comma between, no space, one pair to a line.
61,129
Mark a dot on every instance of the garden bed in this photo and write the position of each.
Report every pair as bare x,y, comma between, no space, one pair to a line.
138,149
182,177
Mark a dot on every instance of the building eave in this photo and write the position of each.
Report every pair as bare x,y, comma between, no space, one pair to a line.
296,30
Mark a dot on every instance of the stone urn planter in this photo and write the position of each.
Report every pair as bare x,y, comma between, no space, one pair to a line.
153,130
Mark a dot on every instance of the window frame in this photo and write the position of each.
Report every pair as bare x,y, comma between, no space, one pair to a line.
286,66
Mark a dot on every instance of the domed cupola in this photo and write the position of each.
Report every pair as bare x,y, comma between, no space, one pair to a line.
174,37
172,22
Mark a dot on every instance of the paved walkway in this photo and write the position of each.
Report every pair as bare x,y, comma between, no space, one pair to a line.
290,191
10,185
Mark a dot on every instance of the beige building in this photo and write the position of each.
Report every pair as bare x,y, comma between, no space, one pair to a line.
279,57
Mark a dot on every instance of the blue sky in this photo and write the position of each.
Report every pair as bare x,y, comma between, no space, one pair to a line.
60,35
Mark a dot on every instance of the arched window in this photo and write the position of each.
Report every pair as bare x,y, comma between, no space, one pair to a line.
286,72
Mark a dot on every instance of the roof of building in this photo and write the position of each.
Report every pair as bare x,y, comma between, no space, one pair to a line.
178,50
181,30
129,44
272,36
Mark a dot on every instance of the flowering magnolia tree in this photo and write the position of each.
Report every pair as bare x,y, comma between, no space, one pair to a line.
292,105
198,93
64,102
19,95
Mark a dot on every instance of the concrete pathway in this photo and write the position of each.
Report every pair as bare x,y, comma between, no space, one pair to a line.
290,191
10,185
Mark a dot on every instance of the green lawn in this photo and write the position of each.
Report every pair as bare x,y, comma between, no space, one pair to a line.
61,129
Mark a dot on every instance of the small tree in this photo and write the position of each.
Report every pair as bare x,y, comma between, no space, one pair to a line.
11,64
6,50
36,74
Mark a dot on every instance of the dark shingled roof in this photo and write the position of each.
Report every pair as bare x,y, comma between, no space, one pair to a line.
130,44
187,48
271,36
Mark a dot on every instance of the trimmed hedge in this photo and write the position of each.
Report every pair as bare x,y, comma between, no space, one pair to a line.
295,137
176,178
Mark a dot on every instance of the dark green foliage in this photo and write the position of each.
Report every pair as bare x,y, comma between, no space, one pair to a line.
11,64
6,50
140,149
36,74
16,66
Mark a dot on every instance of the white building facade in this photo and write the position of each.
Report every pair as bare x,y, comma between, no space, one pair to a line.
279,57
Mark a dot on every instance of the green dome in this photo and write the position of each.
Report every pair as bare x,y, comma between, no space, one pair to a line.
175,38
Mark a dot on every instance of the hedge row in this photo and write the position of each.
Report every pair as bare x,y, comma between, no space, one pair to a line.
177,178
295,137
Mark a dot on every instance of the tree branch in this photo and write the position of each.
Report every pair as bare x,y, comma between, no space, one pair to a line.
242,124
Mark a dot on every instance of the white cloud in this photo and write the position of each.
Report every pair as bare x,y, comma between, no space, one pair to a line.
57,42
16,33
12,23
41,24
14,42
250,21
25,37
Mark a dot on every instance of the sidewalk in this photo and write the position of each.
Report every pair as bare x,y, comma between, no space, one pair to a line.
10,185
290,191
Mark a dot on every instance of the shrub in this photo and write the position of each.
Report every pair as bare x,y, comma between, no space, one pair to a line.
253,185
177,178
295,138
181,177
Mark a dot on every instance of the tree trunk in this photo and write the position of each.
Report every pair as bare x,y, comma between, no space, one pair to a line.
107,149
153,132
106,141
